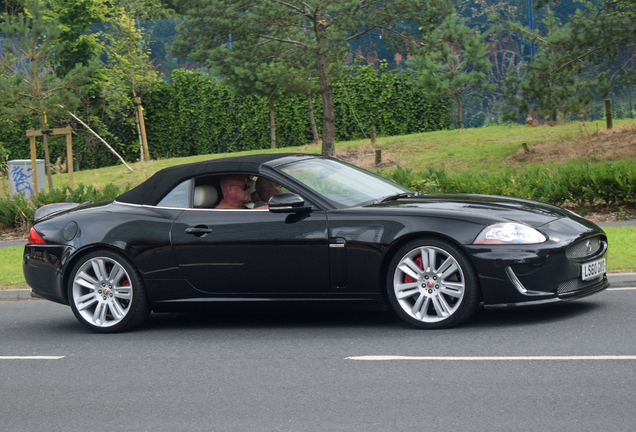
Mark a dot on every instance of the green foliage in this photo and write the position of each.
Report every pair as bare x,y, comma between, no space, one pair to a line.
16,210
574,61
29,88
129,72
198,115
315,29
453,62
388,100
78,45
581,184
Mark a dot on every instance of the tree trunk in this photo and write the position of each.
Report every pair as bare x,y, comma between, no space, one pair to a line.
272,122
47,159
461,111
328,111
554,114
141,143
312,119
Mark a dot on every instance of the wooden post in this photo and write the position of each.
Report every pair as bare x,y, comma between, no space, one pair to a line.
142,127
378,156
34,166
608,113
68,131
69,156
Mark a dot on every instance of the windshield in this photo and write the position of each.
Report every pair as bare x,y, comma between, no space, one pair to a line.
344,184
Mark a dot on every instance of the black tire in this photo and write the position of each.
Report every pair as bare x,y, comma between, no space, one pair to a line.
107,293
435,296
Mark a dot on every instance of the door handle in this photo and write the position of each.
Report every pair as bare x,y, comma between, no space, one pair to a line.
198,230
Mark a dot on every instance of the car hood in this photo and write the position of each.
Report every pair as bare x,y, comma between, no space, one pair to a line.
483,208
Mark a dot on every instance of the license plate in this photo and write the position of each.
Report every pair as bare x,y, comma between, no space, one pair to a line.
593,269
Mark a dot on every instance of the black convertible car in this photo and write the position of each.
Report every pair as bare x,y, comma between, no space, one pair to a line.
333,233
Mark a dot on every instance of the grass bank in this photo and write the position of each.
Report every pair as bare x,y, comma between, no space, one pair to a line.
486,149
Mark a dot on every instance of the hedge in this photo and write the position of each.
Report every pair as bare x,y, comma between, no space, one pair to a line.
196,114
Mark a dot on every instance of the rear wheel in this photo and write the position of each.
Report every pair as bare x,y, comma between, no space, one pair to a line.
431,284
107,294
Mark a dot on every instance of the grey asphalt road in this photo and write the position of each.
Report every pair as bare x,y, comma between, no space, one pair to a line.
520,369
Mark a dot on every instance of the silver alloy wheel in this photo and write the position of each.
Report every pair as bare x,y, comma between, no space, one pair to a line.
429,284
102,291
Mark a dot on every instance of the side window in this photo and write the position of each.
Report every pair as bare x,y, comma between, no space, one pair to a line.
179,197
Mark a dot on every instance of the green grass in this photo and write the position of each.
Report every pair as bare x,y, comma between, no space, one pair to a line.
474,150
621,257
11,268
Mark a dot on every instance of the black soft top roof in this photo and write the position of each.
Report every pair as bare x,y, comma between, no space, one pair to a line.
152,190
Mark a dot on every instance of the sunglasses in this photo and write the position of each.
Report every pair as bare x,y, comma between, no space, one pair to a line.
243,186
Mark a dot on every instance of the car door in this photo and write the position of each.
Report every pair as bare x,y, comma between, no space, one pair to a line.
252,252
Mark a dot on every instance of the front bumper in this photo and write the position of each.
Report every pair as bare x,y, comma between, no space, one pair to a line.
515,275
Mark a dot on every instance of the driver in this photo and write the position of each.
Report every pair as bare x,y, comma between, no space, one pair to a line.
236,192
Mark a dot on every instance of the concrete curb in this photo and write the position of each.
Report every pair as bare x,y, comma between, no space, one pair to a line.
17,294
617,280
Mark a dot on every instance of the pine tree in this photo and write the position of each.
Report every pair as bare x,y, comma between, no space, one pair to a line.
453,62
29,86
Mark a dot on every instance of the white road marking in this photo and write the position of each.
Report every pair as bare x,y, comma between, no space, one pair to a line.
621,289
31,357
499,358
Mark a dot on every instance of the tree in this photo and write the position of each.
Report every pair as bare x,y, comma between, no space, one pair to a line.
74,18
143,9
268,71
592,51
11,7
30,87
320,29
453,62
129,72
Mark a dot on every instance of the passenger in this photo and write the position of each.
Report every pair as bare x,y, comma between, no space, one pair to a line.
236,192
265,189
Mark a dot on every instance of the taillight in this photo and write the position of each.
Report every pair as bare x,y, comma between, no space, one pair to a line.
34,237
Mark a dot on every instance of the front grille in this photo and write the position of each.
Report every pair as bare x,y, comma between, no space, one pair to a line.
576,284
584,248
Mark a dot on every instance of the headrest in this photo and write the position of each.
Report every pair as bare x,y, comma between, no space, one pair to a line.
205,196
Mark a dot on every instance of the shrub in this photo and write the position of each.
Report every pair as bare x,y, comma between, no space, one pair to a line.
18,211
582,184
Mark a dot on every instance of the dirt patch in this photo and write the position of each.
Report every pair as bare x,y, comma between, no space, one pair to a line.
364,157
601,213
614,144
7,234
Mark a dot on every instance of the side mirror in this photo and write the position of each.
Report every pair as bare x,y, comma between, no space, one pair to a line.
287,202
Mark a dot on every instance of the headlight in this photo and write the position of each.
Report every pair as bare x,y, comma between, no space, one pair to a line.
509,233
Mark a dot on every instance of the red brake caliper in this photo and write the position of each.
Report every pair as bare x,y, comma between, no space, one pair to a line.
409,279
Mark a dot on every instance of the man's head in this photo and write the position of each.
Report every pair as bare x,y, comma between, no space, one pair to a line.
267,188
236,189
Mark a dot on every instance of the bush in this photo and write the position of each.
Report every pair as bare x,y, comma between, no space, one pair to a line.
581,184
17,211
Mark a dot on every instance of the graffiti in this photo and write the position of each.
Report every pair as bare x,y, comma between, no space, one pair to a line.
21,178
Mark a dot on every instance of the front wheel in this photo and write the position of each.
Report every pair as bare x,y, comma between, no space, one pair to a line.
106,293
431,284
